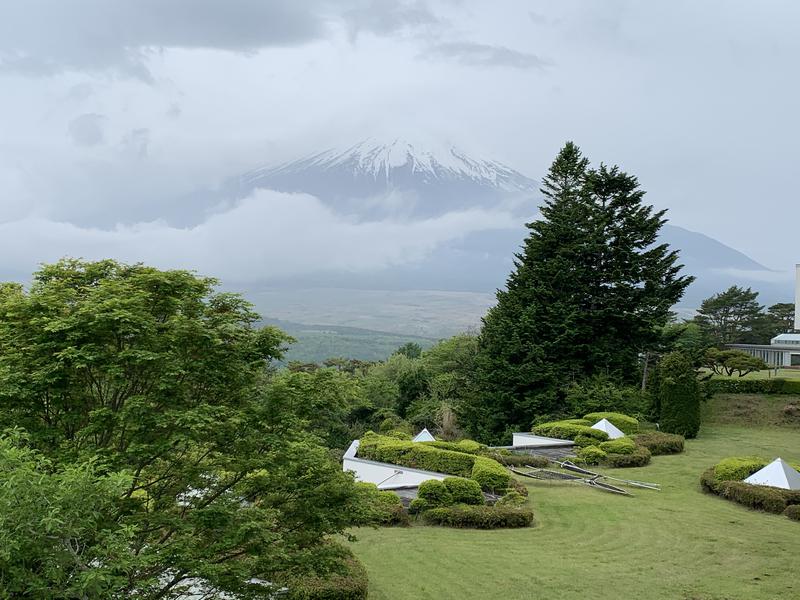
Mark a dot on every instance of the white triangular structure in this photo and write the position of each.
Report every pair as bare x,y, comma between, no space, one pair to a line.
609,428
778,473
424,436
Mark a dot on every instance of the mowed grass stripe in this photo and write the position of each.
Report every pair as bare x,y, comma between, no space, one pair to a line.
677,543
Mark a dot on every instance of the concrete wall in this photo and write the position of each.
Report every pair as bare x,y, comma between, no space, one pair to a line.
386,476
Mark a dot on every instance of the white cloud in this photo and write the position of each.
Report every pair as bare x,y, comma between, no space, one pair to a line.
266,236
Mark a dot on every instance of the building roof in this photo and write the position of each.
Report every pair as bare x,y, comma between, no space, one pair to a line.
778,473
786,337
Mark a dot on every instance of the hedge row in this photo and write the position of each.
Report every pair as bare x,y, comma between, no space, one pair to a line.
350,583
624,445
660,443
490,474
468,446
479,517
628,425
569,430
452,490
793,512
752,386
638,458
631,455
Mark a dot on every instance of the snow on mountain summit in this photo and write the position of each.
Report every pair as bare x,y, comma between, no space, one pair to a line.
398,163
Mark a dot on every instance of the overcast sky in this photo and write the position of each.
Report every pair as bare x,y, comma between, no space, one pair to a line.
114,113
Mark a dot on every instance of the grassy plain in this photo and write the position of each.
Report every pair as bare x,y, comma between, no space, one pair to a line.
678,543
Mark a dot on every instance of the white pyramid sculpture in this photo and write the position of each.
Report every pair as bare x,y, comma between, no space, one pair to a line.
609,428
778,473
424,436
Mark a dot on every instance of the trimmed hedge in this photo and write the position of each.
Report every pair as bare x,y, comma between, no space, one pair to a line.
434,493
351,583
382,507
591,455
512,498
464,491
468,446
565,430
479,517
623,445
624,423
757,497
638,458
737,468
793,512
752,386
660,443
490,474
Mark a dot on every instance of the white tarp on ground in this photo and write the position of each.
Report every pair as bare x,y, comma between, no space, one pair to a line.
778,473
424,436
609,428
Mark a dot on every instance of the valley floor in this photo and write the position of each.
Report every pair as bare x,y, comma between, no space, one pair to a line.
678,543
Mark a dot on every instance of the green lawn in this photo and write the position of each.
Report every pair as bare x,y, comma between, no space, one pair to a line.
678,543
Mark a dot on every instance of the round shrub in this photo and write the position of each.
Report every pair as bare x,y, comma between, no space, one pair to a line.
638,458
435,493
623,445
624,423
490,474
464,491
793,512
591,455
418,505
660,443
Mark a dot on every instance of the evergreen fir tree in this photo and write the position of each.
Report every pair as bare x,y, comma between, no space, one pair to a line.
678,395
588,291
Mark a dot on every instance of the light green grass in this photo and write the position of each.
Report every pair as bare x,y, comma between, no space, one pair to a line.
678,543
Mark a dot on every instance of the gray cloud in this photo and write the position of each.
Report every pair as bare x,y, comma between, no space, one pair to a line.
87,129
46,37
485,55
136,141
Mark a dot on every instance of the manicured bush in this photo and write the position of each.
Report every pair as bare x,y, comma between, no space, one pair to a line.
564,430
348,582
491,475
679,395
793,512
435,493
479,517
398,435
418,505
591,455
638,458
752,386
758,497
464,491
512,498
519,487
737,468
628,425
624,445
660,443
380,507
517,460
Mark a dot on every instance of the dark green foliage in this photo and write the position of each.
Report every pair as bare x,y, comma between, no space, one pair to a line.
728,362
678,396
589,290
623,445
418,505
464,491
436,493
566,430
380,507
638,458
730,317
348,582
479,517
410,350
600,395
660,443
793,512
628,425
752,386
491,475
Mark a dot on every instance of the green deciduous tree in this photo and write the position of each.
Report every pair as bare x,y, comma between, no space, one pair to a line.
679,396
589,291
153,375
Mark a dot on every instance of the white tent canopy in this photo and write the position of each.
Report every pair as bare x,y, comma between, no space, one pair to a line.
778,473
424,436
609,428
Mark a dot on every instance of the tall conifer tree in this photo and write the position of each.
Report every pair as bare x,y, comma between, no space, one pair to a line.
588,290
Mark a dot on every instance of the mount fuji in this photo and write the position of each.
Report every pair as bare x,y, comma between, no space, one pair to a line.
374,180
